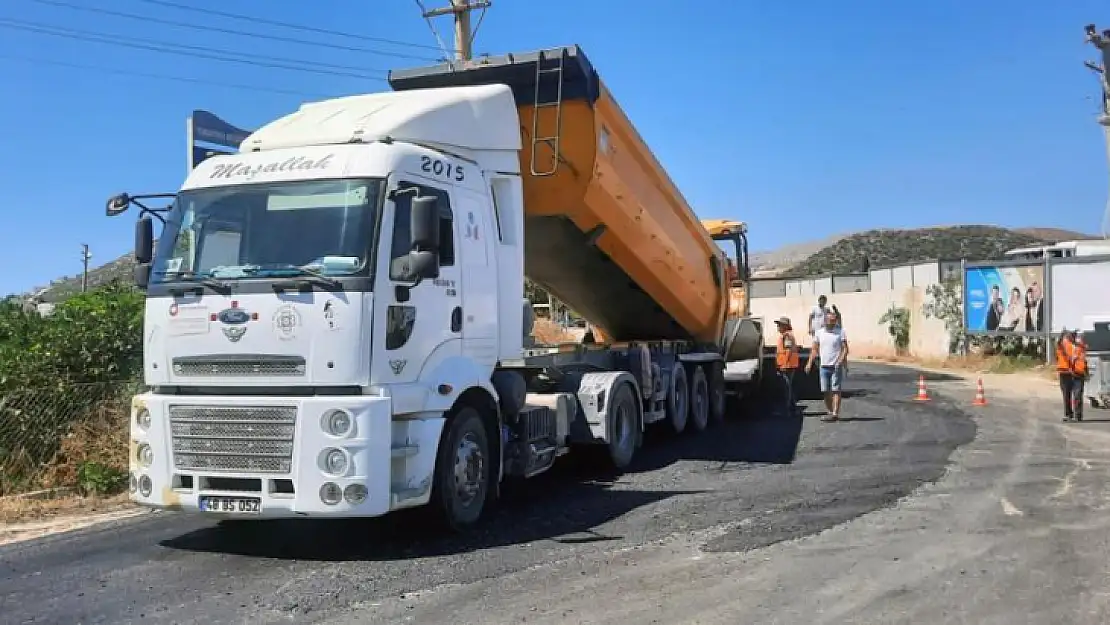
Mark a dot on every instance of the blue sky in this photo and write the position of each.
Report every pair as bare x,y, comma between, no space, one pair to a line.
805,118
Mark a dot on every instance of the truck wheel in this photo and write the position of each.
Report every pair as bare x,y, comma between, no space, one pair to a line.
699,400
462,474
623,424
678,399
717,397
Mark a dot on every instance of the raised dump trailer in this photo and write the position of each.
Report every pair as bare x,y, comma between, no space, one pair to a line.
335,323
605,228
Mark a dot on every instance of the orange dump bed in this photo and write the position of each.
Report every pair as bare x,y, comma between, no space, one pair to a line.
606,231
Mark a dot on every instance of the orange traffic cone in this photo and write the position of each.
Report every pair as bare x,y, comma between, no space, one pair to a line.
922,392
980,396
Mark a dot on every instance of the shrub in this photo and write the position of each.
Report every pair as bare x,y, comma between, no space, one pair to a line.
897,320
58,370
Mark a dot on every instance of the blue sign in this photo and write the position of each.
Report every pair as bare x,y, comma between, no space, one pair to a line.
211,129
204,127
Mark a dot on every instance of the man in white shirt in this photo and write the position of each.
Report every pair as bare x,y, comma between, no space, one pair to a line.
817,315
830,343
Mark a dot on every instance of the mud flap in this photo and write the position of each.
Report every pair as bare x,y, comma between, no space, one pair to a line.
593,397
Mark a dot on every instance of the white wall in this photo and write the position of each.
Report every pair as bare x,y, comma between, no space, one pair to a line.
861,311
895,286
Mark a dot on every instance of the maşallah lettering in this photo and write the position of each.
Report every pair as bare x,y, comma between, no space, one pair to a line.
294,163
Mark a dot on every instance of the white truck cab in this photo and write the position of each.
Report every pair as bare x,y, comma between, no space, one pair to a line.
317,303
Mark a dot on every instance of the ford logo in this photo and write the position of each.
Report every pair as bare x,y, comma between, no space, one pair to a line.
234,316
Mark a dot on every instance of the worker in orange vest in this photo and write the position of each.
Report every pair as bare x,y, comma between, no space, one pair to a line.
786,360
1071,367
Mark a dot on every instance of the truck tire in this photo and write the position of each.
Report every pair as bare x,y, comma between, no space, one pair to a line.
678,399
717,399
699,399
462,476
623,426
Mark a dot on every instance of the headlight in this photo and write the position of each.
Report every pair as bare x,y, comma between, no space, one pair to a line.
145,486
330,493
145,455
355,494
142,418
337,422
335,461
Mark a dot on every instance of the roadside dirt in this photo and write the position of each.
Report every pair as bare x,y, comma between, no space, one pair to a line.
1038,383
25,518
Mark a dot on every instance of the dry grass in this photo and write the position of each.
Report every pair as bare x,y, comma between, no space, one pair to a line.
101,439
20,509
547,332
85,475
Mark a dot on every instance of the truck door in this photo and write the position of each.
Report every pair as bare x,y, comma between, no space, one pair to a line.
479,276
413,328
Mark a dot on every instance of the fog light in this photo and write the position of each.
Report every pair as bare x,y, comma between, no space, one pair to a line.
355,494
132,482
145,455
142,418
335,461
145,487
330,493
337,422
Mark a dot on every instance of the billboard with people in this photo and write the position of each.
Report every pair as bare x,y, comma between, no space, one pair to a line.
1004,298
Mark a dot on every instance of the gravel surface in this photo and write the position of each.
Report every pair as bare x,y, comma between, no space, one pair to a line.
754,482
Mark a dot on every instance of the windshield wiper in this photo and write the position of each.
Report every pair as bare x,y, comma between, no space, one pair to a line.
191,276
316,276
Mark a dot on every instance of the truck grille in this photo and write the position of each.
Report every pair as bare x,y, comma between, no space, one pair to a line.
244,365
254,439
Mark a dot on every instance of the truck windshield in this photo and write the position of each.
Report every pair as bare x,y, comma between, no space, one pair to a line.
318,227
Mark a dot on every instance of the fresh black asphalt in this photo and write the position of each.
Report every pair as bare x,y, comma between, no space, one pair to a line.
766,476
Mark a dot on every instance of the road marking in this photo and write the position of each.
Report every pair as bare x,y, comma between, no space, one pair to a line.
1010,509
1069,478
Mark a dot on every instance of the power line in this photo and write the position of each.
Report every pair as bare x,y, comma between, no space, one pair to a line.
229,31
184,79
153,42
204,53
311,29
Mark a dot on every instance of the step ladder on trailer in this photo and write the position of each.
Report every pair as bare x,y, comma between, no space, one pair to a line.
550,69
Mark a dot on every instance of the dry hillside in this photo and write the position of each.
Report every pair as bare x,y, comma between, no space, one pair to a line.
895,247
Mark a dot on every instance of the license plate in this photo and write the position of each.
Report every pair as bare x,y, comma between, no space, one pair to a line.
231,505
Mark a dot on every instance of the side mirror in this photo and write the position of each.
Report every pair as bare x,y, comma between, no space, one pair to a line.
423,265
144,240
117,204
424,224
142,275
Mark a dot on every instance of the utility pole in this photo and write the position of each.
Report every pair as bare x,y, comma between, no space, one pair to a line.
464,35
1101,42
85,256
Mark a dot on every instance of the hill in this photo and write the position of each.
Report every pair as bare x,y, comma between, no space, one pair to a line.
121,268
894,247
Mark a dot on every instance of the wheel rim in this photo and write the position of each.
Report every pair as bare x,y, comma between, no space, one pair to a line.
469,469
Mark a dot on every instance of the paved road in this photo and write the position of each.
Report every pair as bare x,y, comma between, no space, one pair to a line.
753,483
